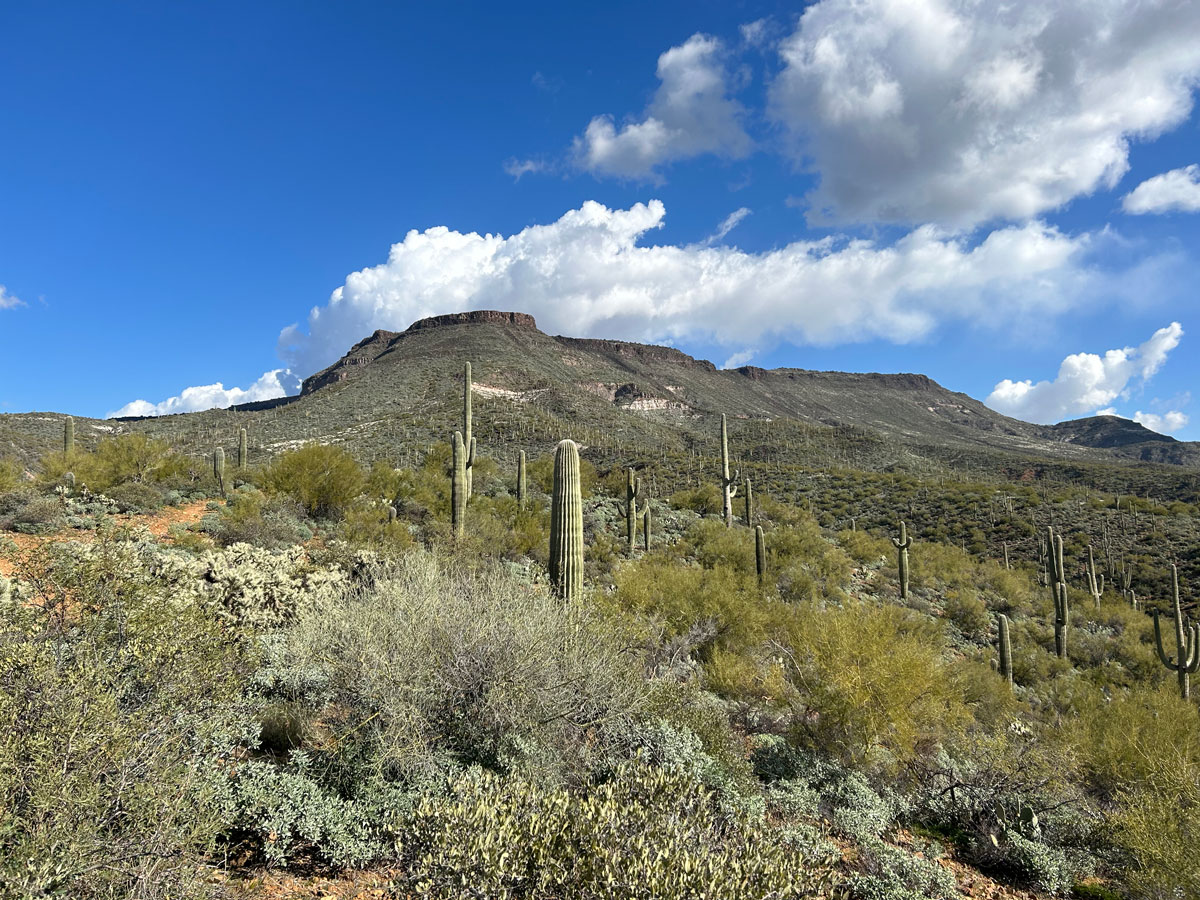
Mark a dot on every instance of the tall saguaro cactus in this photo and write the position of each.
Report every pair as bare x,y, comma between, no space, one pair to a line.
1005,650
902,545
566,523
468,439
69,435
1095,582
458,485
728,485
1056,575
633,490
522,490
243,449
219,468
760,555
1187,642
749,498
647,522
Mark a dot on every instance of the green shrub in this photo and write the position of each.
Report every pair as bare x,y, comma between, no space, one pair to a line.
12,474
323,479
136,497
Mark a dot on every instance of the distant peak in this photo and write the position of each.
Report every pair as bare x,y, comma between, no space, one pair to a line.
477,317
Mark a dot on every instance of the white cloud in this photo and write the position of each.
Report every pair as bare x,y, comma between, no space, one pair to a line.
9,301
727,225
1168,423
1177,190
587,274
1086,381
756,33
273,384
738,359
518,167
958,112
691,114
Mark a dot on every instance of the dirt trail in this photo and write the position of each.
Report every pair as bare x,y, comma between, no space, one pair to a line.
158,524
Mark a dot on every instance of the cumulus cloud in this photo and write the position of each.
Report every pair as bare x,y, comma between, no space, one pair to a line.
1086,382
273,384
691,114
587,274
9,301
518,167
959,113
727,225
1177,190
1167,423
738,359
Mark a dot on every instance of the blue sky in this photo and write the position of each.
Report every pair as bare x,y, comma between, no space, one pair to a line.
989,194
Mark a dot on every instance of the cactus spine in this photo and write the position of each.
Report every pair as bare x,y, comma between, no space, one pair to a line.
1187,642
468,440
522,490
1056,575
458,486
566,523
219,468
243,449
728,488
1095,583
633,490
749,498
647,521
1005,651
902,544
760,555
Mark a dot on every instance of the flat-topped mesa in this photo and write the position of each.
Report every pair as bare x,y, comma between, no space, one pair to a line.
630,350
476,317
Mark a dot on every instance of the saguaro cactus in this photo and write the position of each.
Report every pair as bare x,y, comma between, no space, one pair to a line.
219,468
468,440
749,498
522,491
1056,576
1095,582
647,521
633,490
760,555
68,435
566,523
1187,642
458,486
728,488
1005,650
243,449
902,544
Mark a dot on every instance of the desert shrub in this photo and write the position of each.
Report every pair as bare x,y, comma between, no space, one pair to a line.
125,458
645,832
969,614
118,720
12,474
251,517
136,497
323,479
705,500
873,682
368,523
865,548
37,515
465,663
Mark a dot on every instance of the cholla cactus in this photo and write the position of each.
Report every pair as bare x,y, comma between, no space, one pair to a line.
1005,650
1187,642
902,544
566,523
728,489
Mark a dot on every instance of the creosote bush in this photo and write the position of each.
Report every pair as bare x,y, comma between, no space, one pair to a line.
323,479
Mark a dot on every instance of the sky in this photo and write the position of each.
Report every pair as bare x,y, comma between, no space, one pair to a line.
201,204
